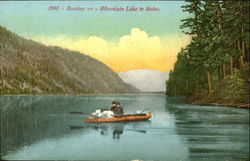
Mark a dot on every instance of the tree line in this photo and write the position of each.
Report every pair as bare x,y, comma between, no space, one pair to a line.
217,58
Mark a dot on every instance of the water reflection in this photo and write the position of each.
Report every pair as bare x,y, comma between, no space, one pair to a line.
26,120
33,127
116,129
212,132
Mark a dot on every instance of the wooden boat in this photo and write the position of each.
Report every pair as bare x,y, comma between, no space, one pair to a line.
123,118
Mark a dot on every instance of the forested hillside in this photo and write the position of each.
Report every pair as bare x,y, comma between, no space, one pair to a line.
28,67
214,67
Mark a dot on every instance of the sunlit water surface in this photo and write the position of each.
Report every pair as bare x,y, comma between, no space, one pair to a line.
41,127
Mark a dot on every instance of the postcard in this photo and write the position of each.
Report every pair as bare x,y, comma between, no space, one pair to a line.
124,80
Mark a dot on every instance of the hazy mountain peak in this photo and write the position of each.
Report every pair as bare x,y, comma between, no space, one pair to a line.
145,79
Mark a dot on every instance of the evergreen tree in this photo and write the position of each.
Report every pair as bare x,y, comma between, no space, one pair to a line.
220,42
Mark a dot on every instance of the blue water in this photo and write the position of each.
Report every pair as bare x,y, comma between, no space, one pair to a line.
41,127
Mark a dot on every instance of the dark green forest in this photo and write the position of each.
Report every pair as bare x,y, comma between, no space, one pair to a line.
214,67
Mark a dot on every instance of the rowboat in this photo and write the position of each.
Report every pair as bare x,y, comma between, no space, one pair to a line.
123,118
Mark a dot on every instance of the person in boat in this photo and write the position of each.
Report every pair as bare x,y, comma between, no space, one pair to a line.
113,107
118,110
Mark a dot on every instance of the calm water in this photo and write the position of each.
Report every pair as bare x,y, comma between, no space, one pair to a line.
41,127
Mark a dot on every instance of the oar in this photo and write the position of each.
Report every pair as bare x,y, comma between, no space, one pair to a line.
76,127
81,127
82,113
141,131
145,110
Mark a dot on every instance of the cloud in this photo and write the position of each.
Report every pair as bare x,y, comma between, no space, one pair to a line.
137,50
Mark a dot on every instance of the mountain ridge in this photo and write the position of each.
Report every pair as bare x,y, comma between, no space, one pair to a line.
29,67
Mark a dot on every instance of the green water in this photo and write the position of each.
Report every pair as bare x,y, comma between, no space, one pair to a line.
41,127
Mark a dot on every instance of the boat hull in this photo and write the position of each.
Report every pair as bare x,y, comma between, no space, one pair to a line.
124,118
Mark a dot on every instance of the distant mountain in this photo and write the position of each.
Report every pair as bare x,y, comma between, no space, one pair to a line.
146,80
28,67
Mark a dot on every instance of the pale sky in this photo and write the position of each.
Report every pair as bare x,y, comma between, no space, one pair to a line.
121,39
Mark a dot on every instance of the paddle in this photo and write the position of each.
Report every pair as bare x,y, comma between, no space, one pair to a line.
81,113
144,110
141,131
76,127
81,127
141,112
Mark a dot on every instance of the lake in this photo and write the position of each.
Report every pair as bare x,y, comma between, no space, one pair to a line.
41,127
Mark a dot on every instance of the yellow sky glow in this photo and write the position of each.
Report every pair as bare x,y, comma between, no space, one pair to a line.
134,51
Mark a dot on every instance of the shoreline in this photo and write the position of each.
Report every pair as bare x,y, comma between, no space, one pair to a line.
241,106
244,106
90,94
